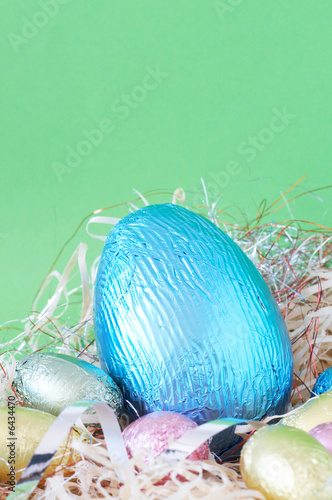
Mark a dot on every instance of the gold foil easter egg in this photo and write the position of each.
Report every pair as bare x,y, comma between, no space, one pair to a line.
20,436
285,463
314,412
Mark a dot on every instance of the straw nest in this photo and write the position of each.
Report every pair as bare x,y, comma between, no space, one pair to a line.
294,259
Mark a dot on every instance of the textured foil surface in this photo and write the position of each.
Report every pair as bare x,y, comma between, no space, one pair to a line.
30,426
184,321
323,434
314,412
285,463
155,431
323,383
49,382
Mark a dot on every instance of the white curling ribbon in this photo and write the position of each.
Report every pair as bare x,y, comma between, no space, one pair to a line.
49,309
55,435
145,201
324,311
178,195
87,310
112,434
46,282
112,221
132,207
85,284
60,428
79,257
7,375
312,290
194,438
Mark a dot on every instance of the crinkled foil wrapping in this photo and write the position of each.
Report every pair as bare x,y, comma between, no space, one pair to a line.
285,463
155,431
323,434
314,412
49,382
185,322
18,445
323,383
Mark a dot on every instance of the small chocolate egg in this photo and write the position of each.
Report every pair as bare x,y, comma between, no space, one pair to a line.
323,383
49,382
21,431
323,434
285,463
153,432
316,411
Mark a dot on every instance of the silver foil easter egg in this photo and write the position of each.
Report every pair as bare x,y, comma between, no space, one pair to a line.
184,321
49,382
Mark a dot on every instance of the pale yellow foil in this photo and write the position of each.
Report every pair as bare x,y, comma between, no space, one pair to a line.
285,463
314,412
49,382
30,426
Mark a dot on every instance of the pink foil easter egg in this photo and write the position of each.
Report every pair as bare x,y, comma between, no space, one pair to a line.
323,434
155,431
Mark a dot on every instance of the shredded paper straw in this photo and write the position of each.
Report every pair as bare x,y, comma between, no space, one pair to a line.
294,257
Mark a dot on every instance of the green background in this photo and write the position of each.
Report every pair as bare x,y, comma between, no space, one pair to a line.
68,66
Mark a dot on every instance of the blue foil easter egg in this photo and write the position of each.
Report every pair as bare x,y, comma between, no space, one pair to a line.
184,321
323,383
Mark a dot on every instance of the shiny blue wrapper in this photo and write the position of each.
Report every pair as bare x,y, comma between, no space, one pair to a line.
323,383
184,321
